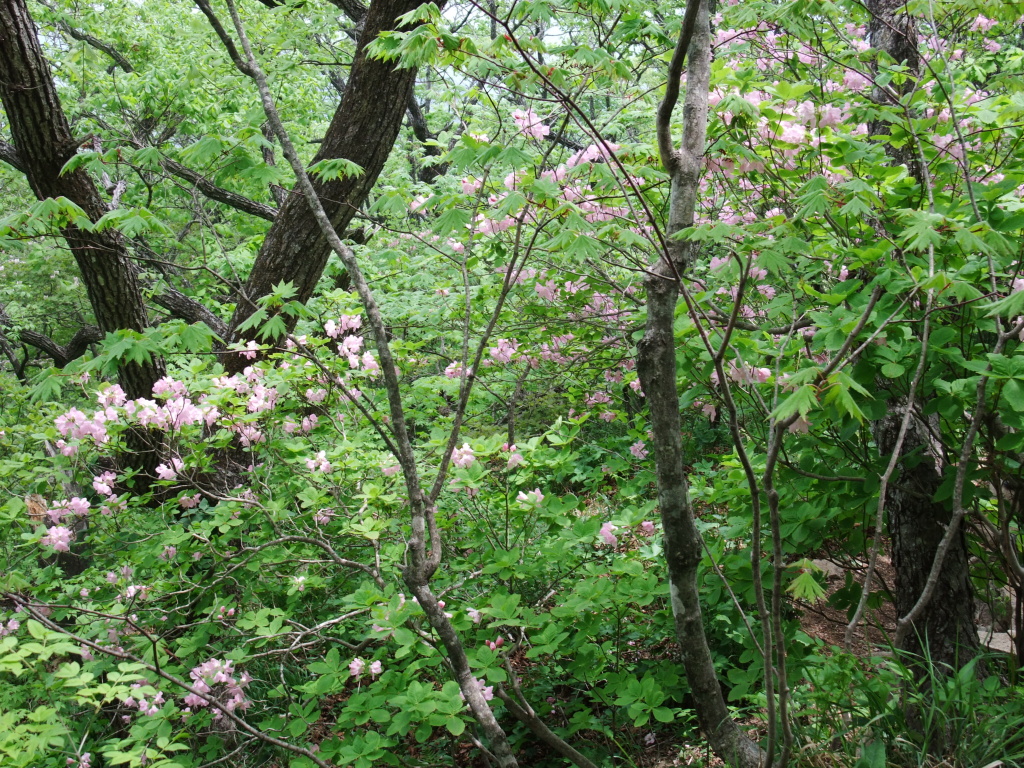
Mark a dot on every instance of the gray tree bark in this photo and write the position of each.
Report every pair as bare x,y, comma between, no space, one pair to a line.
656,366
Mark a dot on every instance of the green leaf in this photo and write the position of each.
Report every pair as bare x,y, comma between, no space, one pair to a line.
893,370
338,168
802,400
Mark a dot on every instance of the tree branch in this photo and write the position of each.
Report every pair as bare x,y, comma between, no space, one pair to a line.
10,155
95,42
669,156
221,195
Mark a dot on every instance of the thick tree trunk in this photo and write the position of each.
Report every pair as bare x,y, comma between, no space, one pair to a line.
42,138
363,130
656,366
946,630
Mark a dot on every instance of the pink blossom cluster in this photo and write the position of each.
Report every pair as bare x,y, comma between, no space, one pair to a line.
170,387
607,533
319,463
216,682
350,348
9,628
357,666
639,449
75,507
534,497
983,24
504,351
552,350
345,323
454,370
592,153
112,395
306,426
103,483
463,457
78,426
515,458
748,374
489,226
146,707
530,124
487,691
323,516
170,470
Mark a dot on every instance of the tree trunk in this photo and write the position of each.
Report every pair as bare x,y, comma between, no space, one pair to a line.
363,130
656,366
946,630
42,138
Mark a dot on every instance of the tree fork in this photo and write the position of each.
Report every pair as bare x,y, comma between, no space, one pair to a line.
42,138
656,366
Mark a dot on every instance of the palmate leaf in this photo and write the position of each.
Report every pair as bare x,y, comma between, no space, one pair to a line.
338,168
1010,306
922,231
805,587
801,401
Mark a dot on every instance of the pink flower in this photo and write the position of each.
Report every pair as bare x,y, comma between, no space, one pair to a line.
165,472
370,363
102,483
323,516
530,124
607,535
983,24
376,668
319,462
647,527
356,667
463,457
112,395
504,351
59,538
515,459
547,291
855,81
534,497
249,353
487,691
454,371
638,449
189,502
391,470
474,615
